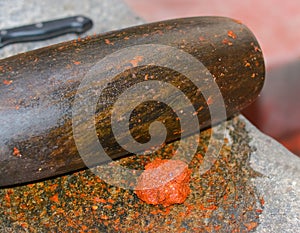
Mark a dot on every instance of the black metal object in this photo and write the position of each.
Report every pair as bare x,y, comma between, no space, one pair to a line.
45,30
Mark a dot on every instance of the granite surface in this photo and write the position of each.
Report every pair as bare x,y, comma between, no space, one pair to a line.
253,186
106,15
280,183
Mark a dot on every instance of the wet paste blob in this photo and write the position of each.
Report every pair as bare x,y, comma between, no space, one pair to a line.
174,176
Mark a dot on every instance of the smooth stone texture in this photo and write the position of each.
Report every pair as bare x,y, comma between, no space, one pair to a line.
279,183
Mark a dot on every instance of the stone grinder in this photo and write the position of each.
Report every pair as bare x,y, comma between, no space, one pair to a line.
38,90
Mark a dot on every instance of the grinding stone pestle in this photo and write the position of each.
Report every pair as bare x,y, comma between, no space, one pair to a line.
38,89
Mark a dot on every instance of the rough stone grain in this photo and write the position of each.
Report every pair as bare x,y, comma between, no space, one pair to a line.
280,183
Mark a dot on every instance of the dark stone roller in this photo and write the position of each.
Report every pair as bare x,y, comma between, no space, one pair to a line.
38,90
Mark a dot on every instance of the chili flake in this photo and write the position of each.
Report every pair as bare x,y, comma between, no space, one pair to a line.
7,82
17,152
77,63
94,207
250,226
55,198
227,42
107,41
231,34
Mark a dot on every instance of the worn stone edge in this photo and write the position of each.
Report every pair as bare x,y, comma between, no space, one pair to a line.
279,184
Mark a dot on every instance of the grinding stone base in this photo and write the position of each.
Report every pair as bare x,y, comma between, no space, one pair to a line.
270,200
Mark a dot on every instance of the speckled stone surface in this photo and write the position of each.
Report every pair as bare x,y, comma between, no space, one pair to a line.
223,199
253,186
279,183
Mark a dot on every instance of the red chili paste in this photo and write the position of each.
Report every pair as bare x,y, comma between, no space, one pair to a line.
164,182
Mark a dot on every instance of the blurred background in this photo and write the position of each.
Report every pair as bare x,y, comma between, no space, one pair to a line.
276,25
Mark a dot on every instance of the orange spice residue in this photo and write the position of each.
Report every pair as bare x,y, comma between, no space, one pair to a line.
250,226
210,100
173,191
201,38
99,200
247,64
7,82
107,41
231,34
76,63
262,201
136,61
227,42
53,187
94,207
54,198
17,152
